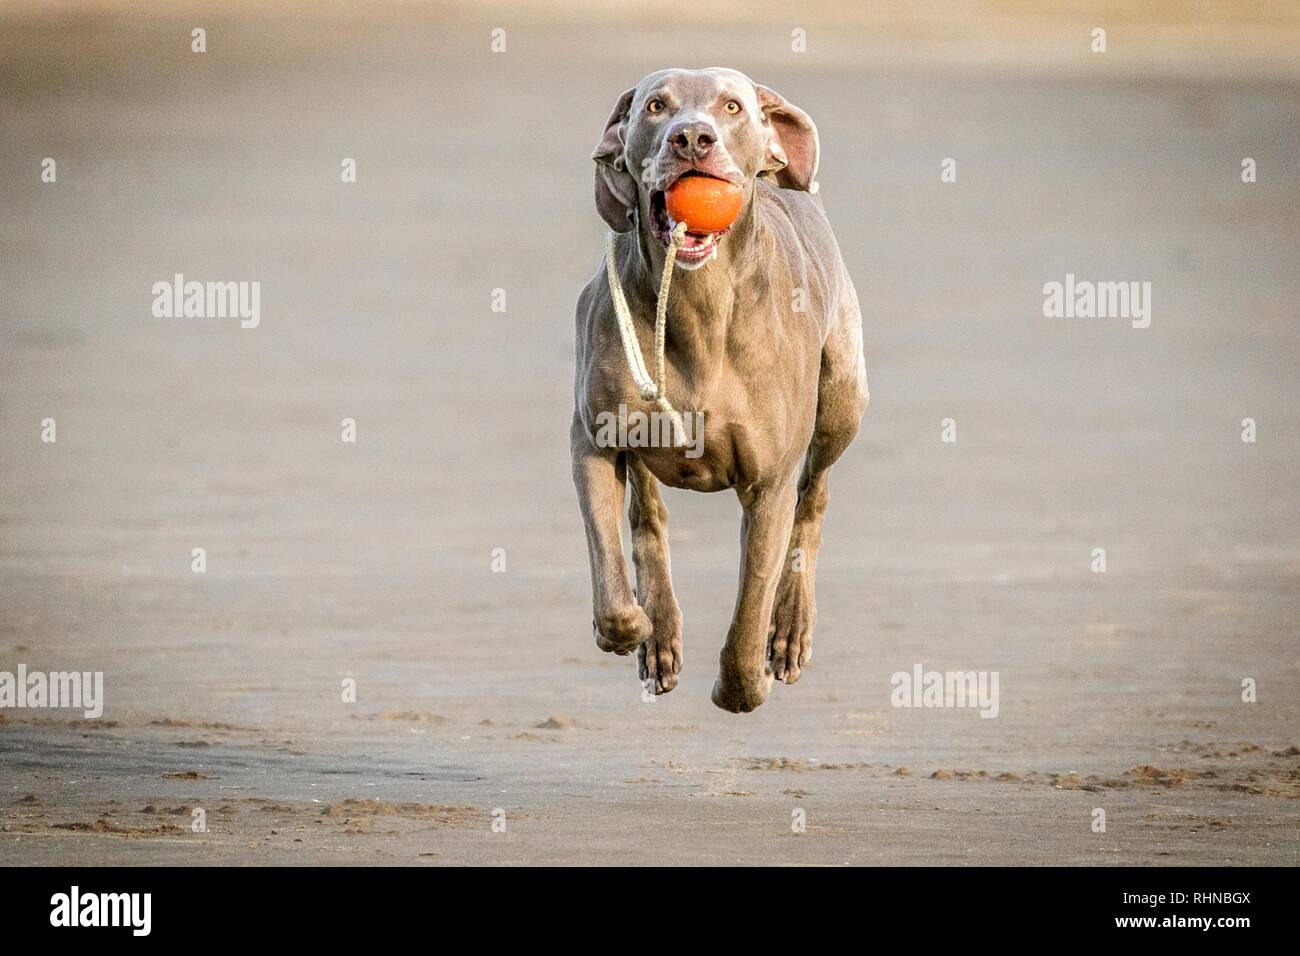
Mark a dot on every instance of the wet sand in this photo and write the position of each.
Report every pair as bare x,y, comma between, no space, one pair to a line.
480,691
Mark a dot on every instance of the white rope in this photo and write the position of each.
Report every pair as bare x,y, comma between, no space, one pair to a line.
651,389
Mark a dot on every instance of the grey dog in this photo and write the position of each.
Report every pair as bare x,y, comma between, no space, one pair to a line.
763,336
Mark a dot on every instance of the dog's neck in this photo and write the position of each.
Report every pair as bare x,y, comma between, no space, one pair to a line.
701,302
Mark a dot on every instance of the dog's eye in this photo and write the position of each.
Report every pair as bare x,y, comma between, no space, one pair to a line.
732,107
655,106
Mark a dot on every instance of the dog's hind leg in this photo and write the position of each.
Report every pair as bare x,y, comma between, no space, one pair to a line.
744,675
660,654
841,399
599,475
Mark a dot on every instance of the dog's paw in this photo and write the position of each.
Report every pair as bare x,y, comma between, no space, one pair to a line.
789,642
621,630
740,695
659,658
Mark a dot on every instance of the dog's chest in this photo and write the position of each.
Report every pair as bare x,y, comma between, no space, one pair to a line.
710,447
716,456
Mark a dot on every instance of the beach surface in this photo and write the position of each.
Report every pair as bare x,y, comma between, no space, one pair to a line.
437,564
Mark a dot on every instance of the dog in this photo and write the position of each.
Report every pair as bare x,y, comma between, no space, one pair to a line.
763,337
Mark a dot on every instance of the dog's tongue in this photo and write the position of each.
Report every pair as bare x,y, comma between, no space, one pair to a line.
694,240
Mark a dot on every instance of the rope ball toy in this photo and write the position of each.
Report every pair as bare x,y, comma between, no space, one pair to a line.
696,204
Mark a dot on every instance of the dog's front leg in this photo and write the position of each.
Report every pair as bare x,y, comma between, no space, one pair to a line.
599,475
660,657
744,677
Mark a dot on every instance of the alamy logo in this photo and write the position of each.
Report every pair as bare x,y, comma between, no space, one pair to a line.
1083,299
84,690
179,299
103,909
637,429
923,688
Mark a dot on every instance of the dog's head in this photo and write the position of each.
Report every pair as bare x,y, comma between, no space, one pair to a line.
713,122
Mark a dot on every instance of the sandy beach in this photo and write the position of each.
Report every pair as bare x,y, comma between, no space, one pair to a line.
480,696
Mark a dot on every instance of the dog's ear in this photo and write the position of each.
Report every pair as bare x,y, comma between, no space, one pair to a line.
615,186
792,148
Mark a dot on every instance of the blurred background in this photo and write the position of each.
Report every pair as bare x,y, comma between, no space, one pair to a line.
373,561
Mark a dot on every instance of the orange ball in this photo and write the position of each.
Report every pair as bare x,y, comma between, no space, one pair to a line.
705,204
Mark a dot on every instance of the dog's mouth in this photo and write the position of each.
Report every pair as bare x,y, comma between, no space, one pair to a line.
696,246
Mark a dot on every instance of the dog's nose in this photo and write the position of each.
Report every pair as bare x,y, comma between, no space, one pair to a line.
693,140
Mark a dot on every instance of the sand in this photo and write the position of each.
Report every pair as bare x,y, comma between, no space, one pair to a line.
487,728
